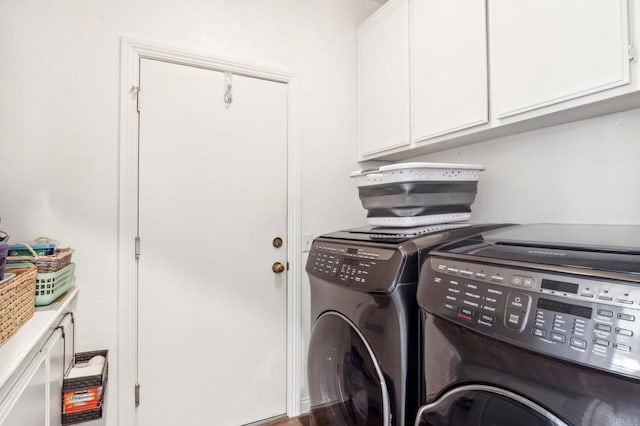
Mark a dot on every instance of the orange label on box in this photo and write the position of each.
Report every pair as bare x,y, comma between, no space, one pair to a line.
74,401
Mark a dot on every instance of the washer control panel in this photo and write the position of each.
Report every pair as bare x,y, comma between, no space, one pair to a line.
371,269
588,321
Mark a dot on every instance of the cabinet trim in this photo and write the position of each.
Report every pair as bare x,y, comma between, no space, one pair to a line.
619,83
426,138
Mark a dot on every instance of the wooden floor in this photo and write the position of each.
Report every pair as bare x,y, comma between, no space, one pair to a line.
304,420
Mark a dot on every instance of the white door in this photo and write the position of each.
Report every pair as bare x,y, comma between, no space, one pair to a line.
212,197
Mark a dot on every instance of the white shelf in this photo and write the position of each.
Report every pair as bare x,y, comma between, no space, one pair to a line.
30,337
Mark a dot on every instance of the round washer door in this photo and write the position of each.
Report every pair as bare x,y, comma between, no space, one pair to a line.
480,405
346,384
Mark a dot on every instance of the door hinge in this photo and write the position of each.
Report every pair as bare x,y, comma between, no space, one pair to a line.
632,52
137,394
136,89
137,244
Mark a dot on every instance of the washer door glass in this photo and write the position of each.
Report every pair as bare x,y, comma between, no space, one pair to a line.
346,385
479,405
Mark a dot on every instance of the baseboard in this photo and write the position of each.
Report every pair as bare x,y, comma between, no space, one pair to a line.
305,405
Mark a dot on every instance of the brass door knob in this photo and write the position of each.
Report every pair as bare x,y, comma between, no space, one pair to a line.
277,267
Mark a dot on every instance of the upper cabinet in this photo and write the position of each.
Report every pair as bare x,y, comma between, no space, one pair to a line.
383,80
545,52
448,67
473,70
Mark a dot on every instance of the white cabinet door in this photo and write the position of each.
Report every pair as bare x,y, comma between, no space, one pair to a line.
448,66
544,52
27,405
383,79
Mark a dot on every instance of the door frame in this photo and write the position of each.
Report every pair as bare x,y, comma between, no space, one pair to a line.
131,51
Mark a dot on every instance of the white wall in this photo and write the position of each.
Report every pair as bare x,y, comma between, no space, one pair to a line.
582,172
59,100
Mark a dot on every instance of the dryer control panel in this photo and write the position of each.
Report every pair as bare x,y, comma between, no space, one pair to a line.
366,268
581,319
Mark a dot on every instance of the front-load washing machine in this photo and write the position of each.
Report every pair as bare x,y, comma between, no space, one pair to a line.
533,325
364,349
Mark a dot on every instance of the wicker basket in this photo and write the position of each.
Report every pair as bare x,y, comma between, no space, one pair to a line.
88,391
17,296
59,259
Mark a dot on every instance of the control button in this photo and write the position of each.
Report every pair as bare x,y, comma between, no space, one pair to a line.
466,311
621,347
626,317
603,327
516,280
559,319
625,301
472,295
467,302
442,267
466,314
497,278
538,332
585,294
578,343
557,337
600,342
449,306
605,313
466,273
452,282
472,286
519,301
605,298
453,290
624,332
480,275
453,299
488,318
494,291
489,308
528,282
514,318
491,299
452,270
437,280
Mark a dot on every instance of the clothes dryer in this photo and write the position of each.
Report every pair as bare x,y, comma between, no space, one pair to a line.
364,349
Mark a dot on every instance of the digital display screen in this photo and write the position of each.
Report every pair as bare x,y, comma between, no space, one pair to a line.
352,251
560,286
565,308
